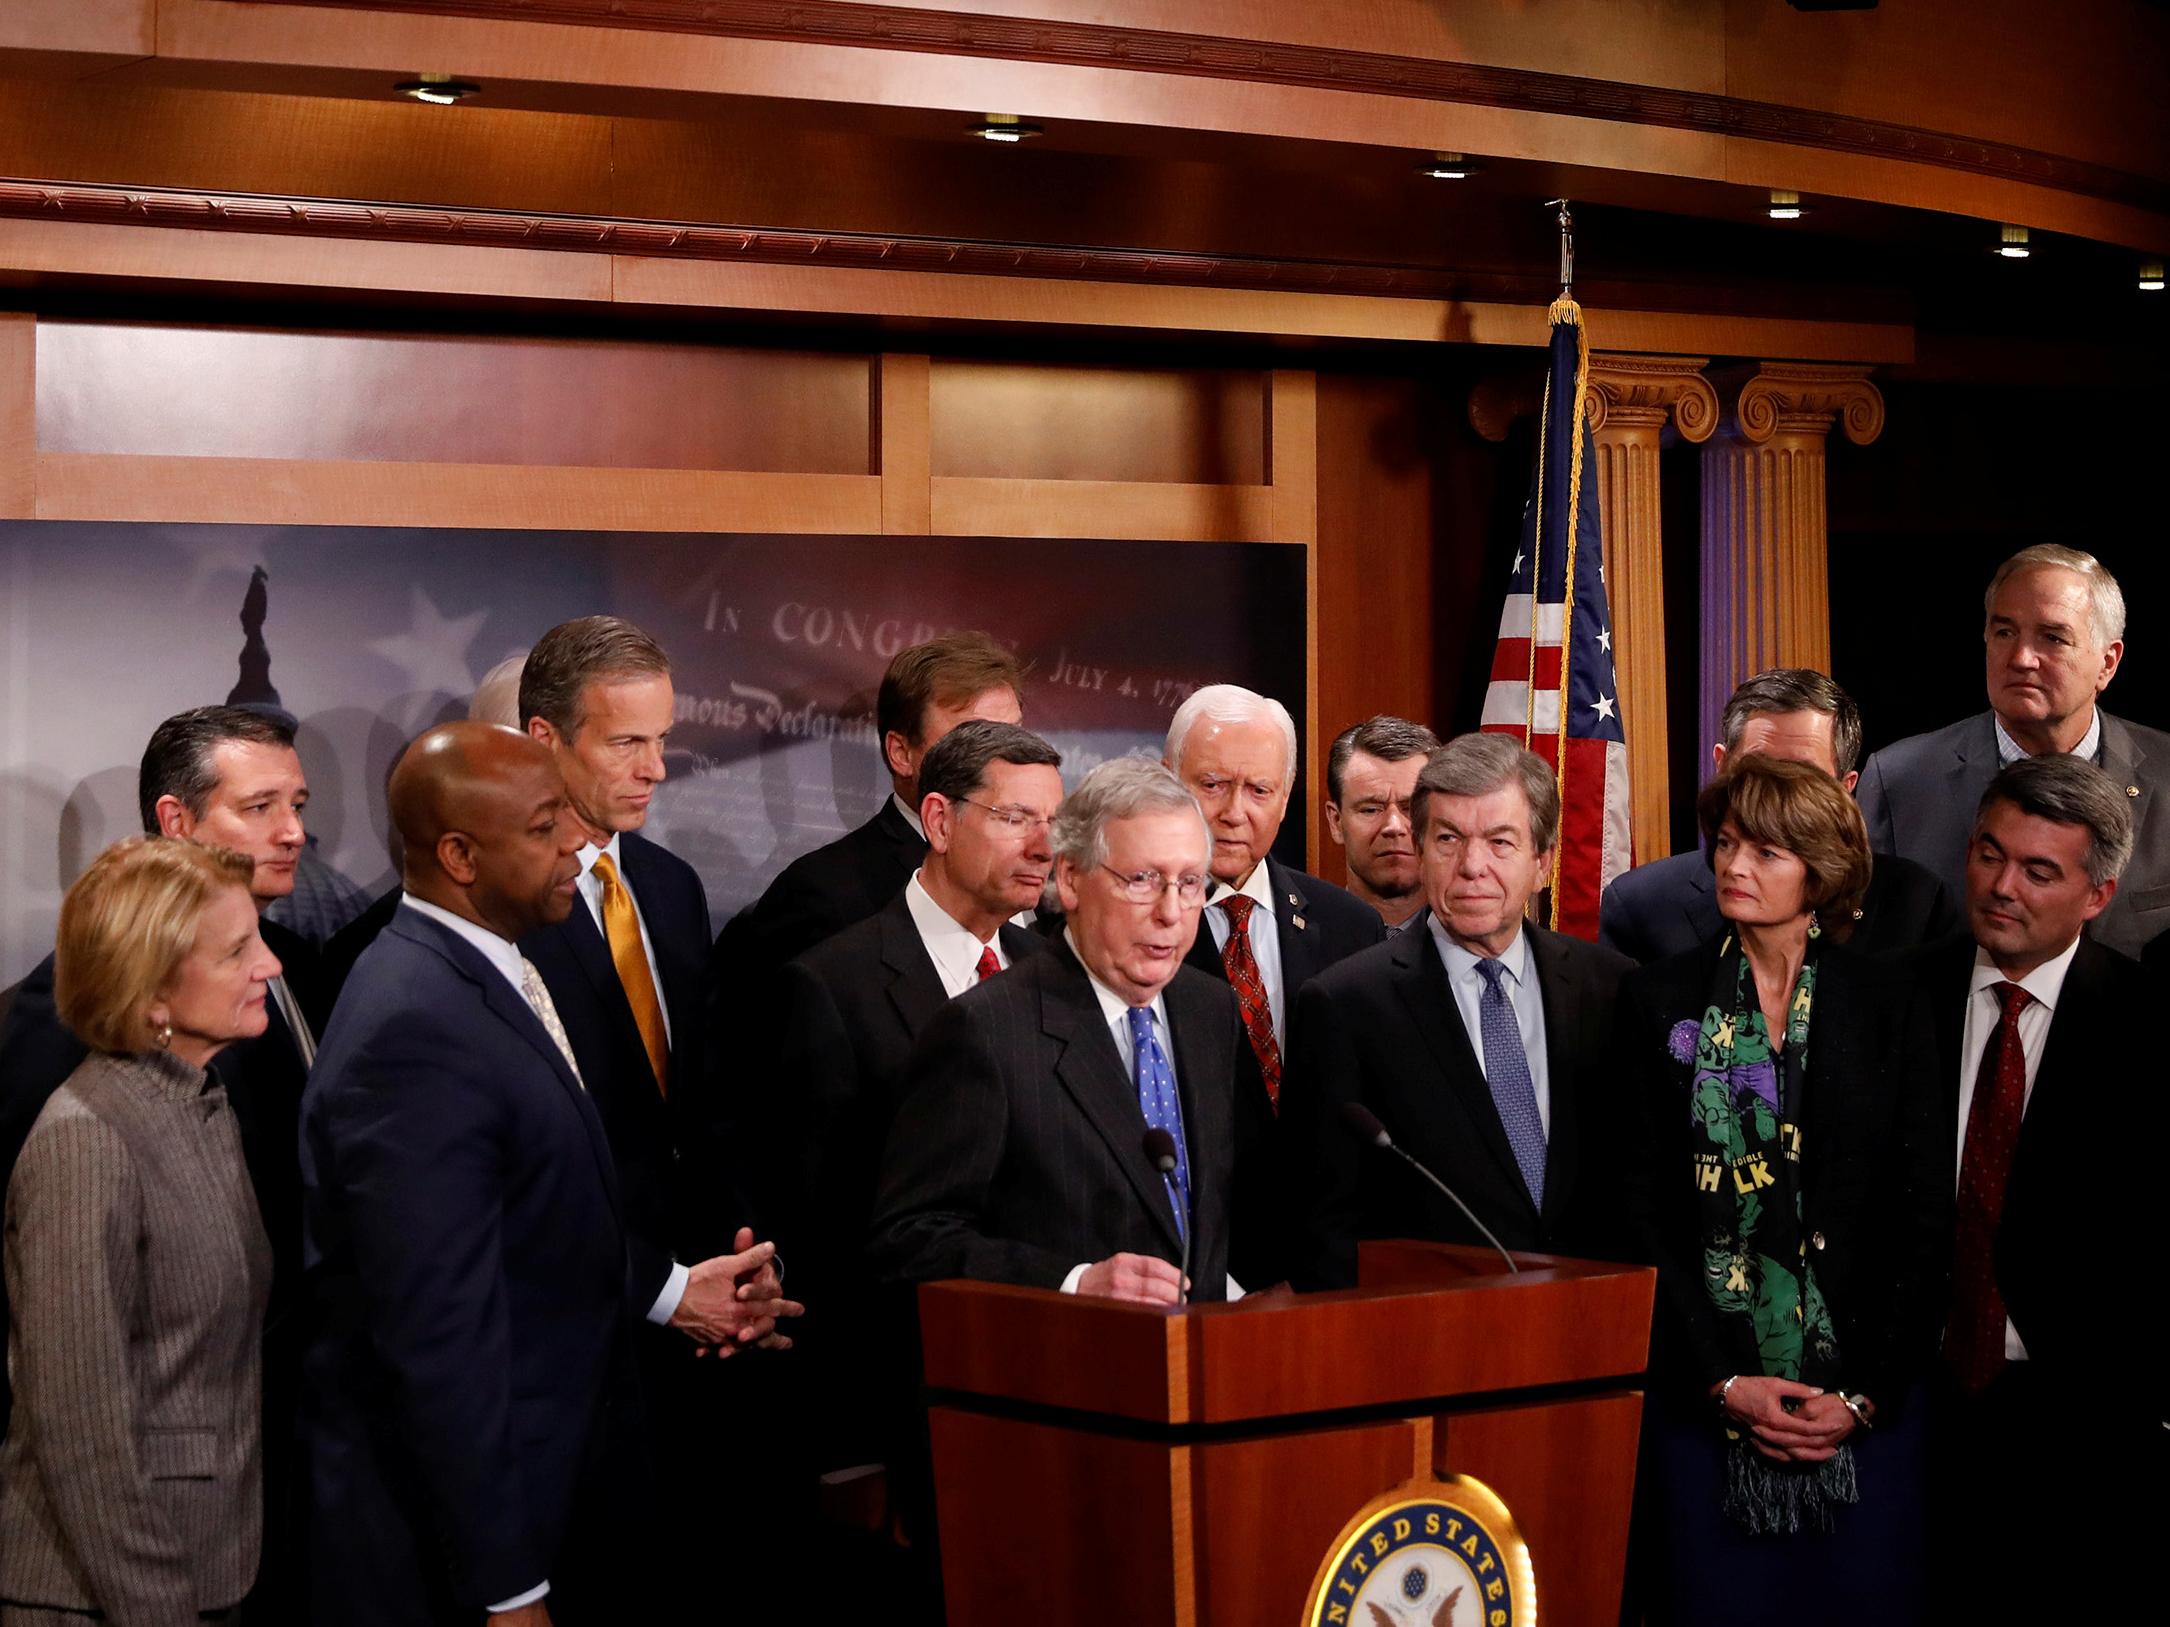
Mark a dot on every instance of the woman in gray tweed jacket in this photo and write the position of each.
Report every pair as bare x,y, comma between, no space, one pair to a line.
137,1267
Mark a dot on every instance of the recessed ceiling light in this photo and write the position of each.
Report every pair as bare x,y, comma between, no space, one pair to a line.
438,89
1006,128
1785,206
1448,167
2012,243
2151,277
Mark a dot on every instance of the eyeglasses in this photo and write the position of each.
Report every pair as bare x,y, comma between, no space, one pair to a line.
1015,820
1146,886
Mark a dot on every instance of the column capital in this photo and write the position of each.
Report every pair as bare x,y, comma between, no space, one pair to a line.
1804,399
1643,391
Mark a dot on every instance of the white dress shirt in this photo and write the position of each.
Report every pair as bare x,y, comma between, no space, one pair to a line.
591,894
2046,982
1265,939
1524,994
911,815
951,946
2009,751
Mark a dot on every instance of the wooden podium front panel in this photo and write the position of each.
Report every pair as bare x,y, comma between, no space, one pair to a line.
1567,1470
1265,1511
1060,1527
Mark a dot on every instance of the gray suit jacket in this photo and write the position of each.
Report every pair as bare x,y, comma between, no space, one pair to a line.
131,1479
1919,796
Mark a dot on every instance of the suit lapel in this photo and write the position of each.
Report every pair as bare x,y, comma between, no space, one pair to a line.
658,898
914,988
1420,983
1090,1068
1696,908
1567,1026
1301,955
1201,1053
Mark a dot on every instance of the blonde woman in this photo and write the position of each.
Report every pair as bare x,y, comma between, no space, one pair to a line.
137,1266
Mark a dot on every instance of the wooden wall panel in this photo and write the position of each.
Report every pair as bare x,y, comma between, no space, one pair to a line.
1184,426
904,438
175,390
18,415
1104,508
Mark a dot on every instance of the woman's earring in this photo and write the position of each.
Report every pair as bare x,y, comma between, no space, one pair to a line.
1815,927
165,1036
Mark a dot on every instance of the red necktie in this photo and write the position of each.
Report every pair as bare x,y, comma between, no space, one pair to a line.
1242,968
1974,1343
988,964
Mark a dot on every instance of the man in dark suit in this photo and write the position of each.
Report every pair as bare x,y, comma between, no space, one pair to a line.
467,1416
928,690
1669,906
1478,1042
624,969
854,1005
2054,636
1268,929
230,778
1371,773
1018,1153
2043,1037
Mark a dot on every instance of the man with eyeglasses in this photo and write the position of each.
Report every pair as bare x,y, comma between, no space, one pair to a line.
851,1008
1019,1151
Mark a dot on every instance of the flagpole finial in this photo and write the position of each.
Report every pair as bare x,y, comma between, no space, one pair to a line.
1567,245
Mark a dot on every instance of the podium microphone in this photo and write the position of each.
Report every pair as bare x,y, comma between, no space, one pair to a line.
1366,1123
1160,1153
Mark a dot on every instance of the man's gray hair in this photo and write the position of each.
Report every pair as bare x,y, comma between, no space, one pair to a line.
1475,765
1120,788
1230,703
1390,739
2106,600
1796,689
2069,790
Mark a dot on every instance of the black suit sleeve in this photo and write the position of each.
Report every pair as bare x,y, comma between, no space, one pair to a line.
1319,1153
940,1163
1619,929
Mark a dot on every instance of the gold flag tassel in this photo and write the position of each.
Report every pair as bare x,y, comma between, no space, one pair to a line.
1564,309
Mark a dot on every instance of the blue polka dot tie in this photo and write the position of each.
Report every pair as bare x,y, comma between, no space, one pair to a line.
1507,1071
1156,1096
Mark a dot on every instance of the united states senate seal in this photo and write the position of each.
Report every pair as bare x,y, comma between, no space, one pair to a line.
1432,1553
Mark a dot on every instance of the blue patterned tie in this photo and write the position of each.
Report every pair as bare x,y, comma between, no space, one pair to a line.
1156,1095
1507,1071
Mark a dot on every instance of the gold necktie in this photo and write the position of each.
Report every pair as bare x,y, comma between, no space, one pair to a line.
622,927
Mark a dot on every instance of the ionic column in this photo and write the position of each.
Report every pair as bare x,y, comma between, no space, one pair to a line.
1631,397
1766,575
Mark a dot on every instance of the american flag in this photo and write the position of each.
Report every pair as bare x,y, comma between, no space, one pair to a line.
1554,663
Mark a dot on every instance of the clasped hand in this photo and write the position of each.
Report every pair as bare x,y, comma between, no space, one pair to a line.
1809,1433
735,1300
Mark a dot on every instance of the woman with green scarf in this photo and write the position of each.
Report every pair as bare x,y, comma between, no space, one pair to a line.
1785,1172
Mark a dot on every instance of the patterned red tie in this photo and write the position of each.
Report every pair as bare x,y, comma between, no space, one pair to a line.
1242,968
988,964
1974,1343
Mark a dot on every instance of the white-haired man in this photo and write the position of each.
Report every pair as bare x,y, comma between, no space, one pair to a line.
1269,928
2054,633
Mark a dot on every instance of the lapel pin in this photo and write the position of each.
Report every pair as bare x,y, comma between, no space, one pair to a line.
1299,923
2132,790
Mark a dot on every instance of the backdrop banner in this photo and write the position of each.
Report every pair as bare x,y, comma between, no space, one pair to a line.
369,635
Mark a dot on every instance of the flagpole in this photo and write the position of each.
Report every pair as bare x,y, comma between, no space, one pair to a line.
1564,309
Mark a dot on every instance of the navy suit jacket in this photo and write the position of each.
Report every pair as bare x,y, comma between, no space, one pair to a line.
467,1267
678,1197
1669,906
1920,794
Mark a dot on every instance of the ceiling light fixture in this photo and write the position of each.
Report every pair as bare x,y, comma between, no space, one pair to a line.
2151,277
2012,243
1448,167
438,89
1785,206
1006,128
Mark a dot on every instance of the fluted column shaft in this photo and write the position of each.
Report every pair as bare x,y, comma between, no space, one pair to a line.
1765,534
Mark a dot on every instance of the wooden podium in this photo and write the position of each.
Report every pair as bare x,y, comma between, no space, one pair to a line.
1098,1463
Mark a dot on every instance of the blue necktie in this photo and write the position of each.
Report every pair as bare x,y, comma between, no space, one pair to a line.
1156,1095
1507,1071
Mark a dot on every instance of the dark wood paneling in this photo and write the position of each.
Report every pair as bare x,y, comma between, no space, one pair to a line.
157,390
1567,1471
1189,426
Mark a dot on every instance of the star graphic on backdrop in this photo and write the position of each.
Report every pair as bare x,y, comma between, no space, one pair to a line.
1604,639
1603,707
432,652
1516,568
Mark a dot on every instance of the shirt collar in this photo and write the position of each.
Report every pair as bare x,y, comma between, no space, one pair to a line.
2010,751
502,953
590,853
948,941
1258,886
1112,1005
2045,982
1460,963
911,816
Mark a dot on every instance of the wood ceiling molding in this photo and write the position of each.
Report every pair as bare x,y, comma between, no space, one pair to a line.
1101,45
